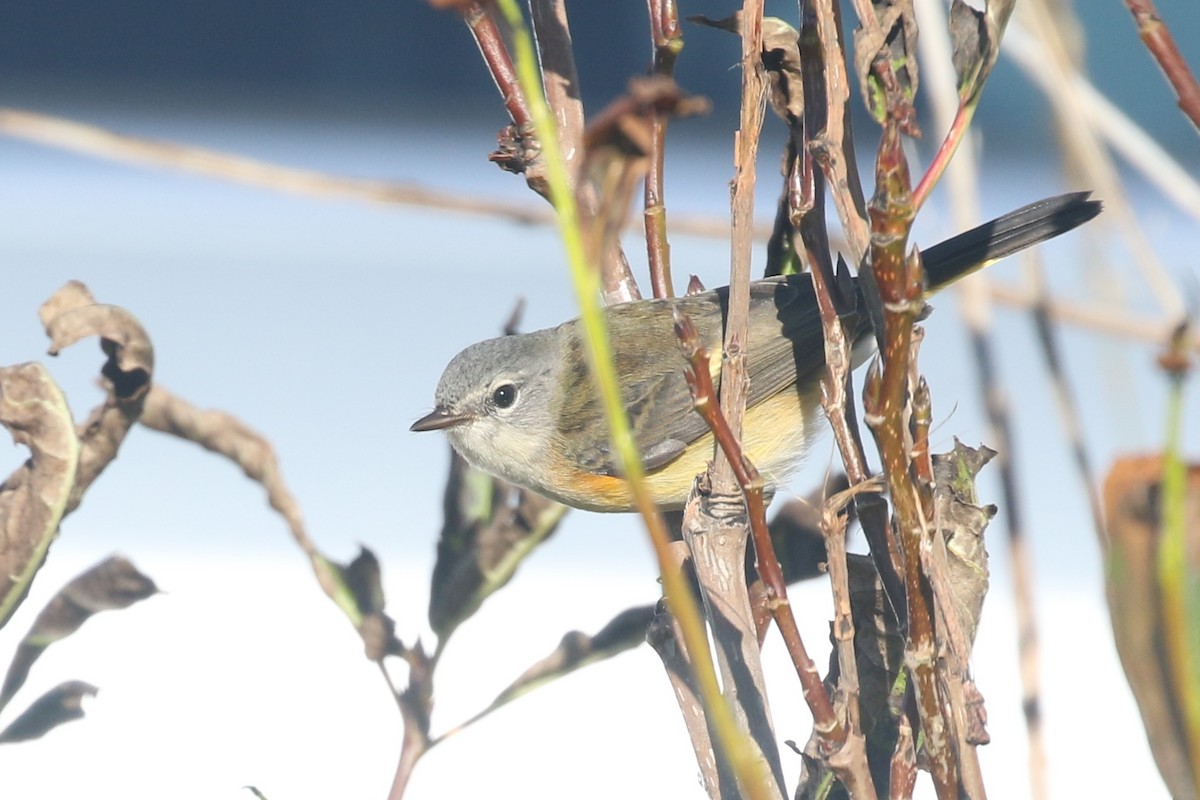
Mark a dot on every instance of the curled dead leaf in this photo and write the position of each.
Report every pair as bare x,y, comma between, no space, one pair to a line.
70,315
35,496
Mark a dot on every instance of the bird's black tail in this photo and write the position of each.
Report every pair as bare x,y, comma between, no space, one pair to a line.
954,258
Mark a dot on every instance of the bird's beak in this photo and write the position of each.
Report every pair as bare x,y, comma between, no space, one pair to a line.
439,419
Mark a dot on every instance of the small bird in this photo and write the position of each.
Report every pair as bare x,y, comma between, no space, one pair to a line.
523,408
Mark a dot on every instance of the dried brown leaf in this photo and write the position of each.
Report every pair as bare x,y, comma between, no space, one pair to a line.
34,498
624,632
363,580
781,59
71,315
963,523
885,58
113,583
975,37
1132,510
61,704
617,146
970,39
489,528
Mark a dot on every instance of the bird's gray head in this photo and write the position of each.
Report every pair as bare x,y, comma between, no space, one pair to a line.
493,402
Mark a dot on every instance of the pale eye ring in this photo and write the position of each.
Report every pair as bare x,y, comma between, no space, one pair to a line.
504,395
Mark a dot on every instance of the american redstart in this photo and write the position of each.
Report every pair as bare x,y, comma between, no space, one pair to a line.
524,408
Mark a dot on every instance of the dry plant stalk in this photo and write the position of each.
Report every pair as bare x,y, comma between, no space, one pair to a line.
826,160
974,306
1161,44
850,763
667,42
97,142
900,282
519,149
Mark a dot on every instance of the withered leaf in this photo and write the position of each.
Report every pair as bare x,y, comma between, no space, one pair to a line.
70,315
113,583
780,58
975,37
35,496
624,632
885,58
617,145
489,528
61,704
229,437
963,523
969,35
1132,510
362,580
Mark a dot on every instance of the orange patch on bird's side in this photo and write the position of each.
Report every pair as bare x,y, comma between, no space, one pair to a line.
774,435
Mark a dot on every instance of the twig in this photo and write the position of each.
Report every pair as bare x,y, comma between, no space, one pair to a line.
717,542
830,141
97,142
899,281
1158,40
826,133
618,145
415,701
560,81
977,60
491,46
734,380
826,722
666,637
751,779
851,757
974,307
1068,409
714,521
560,78
667,43
903,777
101,143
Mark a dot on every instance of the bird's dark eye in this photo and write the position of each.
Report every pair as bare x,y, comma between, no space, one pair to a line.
504,395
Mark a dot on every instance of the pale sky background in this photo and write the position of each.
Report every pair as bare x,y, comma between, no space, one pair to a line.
325,324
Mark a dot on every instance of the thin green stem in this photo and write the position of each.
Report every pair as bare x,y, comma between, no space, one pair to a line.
1178,585
585,278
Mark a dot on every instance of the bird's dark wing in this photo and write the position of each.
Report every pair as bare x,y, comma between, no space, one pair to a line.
785,339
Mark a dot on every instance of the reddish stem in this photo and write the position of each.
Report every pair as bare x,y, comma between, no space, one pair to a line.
1157,37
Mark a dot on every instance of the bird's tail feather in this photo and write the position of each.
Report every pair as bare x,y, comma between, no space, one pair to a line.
1003,236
